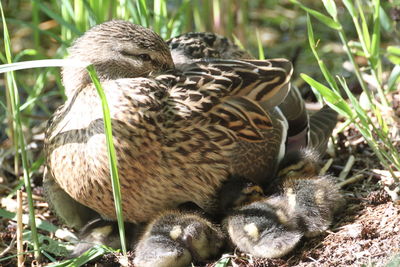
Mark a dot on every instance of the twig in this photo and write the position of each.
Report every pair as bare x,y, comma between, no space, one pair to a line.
20,249
326,166
350,162
9,247
351,180
376,173
35,197
385,173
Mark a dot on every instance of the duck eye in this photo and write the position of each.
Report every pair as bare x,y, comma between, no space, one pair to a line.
128,54
144,57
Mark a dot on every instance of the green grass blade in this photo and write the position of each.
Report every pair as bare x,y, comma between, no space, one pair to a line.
20,142
237,42
43,225
58,18
364,34
362,30
41,64
393,54
157,16
35,20
180,19
122,10
334,100
261,55
197,17
36,27
330,6
385,21
328,76
361,113
92,254
91,17
80,18
143,12
65,10
49,256
376,35
111,156
381,131
321,17
66,4
310,33
394,78
350,7
394,50
374,61
223,262
14,256
25,52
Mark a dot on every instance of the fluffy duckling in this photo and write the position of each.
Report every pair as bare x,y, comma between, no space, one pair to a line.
313,200
263,228
305,205
237,192
176,239
102,232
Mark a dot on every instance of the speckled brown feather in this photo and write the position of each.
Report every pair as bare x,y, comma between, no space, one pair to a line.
303,131
193,46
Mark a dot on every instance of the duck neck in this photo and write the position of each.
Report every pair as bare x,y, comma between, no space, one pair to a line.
74,80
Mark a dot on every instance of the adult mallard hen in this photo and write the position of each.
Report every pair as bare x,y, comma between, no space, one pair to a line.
176,132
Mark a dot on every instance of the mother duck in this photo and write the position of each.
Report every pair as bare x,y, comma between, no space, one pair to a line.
178,133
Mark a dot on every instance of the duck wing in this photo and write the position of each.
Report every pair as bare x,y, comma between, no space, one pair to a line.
229,92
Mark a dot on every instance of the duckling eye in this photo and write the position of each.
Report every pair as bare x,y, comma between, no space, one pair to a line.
144,57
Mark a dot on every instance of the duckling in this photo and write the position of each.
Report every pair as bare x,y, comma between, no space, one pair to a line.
314,200
304,206
176,239
238,191
177,132
260,225
304,162
264,228
102,232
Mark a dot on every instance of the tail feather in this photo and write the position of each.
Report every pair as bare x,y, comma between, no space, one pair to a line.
294,110
322,124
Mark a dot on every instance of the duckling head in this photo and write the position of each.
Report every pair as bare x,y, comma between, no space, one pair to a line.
117,49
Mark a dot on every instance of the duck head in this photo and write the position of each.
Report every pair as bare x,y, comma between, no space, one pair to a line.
117,49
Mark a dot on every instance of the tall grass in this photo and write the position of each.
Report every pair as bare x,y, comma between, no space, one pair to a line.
13,102
111,156
375,129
